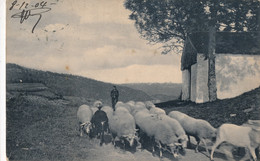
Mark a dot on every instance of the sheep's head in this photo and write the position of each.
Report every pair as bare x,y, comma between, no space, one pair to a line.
149,105
254,135
174,150
183,141
212,134
130,138
178,145
207,131
86,126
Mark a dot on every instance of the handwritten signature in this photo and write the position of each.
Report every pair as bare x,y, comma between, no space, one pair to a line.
26,12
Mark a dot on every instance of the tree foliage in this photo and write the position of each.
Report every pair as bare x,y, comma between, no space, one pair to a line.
170,21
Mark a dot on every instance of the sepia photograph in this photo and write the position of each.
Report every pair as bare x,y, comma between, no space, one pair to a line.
131,80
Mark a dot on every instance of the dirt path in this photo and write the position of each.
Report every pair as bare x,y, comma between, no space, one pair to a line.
109,153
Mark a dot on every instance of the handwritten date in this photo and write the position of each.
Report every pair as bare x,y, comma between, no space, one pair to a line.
27,10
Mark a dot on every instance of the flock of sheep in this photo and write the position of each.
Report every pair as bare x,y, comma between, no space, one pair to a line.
134,121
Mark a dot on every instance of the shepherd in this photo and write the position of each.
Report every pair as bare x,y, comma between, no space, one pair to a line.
114,95
100,123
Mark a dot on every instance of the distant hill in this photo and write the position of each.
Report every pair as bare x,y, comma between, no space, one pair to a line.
159,91
66,85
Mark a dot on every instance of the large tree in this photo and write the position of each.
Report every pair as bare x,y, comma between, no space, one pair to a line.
170,22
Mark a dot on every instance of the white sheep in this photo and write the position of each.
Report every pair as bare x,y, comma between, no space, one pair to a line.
170,133
132,103
138,110
158,111
149,105
84,116
139,106
165,135
177,128
241,136
124,105
109,111
122,126
146,122
198,128
121,110
119,103
166,130
153,109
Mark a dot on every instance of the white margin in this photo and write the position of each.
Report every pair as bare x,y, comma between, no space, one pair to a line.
2,80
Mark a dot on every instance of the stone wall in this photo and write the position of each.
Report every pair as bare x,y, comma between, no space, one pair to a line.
235,75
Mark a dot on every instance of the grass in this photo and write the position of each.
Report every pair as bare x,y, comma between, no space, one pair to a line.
235,110
39,128
43,129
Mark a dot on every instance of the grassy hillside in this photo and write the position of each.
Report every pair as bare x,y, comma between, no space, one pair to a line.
161,91
68,86
235,110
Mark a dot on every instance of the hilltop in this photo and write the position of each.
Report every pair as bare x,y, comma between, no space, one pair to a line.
158,91
65,85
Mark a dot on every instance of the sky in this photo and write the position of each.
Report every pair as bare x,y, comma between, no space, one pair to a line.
96,39
91,38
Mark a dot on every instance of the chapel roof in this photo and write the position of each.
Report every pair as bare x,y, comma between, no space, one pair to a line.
242,43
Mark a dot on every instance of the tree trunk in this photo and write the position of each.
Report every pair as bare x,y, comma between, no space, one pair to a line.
258,20
212,89
258,27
